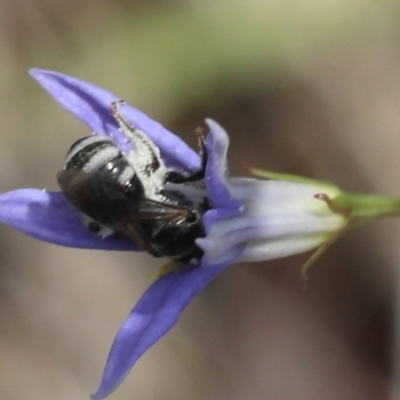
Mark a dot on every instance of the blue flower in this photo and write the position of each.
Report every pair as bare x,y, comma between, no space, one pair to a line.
250,219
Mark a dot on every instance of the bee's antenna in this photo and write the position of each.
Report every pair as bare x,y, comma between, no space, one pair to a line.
201,140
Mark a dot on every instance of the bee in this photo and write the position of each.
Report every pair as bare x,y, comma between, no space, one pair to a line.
134,194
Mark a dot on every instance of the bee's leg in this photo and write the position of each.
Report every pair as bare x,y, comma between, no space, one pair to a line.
125,127
142,143
177,177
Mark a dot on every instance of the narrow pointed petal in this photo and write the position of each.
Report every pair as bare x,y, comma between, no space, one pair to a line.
216,170
48,216
225,206
153,316
91,105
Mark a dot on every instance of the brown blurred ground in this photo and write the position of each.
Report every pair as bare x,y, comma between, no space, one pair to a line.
310,88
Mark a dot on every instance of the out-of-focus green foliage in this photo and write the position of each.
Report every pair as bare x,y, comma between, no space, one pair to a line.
189,52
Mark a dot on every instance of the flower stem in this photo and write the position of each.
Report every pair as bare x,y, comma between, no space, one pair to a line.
365,208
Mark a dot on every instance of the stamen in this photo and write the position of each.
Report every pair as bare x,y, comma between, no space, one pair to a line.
166,269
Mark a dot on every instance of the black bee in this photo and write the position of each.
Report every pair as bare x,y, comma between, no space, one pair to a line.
134,194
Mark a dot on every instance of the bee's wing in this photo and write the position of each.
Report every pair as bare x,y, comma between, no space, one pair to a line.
156,211
96,194
78,189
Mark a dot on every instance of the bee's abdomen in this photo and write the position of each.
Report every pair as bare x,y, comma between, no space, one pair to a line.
93,154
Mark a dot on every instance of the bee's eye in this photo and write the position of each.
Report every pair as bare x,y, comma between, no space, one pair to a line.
192,218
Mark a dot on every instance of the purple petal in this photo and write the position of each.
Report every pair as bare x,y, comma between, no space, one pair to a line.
225,206
48,216
153,316
211,257
92,105
216,170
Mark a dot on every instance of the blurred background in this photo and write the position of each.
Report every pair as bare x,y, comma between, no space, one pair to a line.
310,87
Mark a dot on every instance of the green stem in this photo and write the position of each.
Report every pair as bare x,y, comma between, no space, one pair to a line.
365,208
